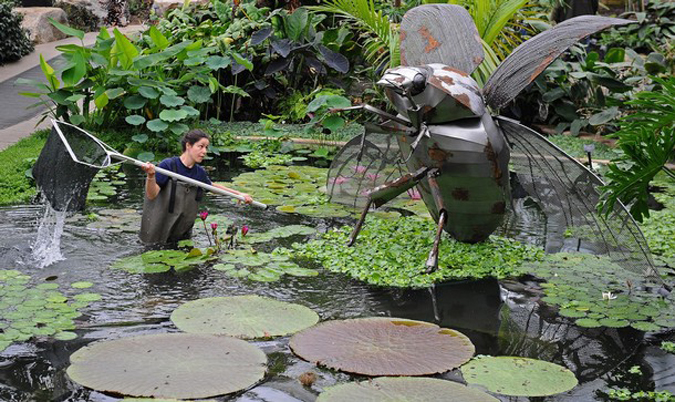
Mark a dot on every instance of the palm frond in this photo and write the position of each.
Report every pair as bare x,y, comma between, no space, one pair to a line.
380,41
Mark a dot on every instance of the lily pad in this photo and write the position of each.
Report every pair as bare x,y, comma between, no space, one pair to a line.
383,346
518,376
182,366
403,389
81,285
245,317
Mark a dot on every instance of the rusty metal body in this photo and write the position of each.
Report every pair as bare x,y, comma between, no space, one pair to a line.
472,157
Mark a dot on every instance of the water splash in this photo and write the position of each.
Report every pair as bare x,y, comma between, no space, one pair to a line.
47,246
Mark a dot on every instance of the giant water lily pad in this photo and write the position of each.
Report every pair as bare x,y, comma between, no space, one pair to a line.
403,389
383,346
518,376
243,317
182,366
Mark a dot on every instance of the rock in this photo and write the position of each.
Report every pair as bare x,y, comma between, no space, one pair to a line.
161,7
90,8
36,21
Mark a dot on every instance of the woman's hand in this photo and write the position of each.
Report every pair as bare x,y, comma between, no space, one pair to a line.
149,169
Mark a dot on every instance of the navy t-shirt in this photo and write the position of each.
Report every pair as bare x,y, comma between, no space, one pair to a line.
196,172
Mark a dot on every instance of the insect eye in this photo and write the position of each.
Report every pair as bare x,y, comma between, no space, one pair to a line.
418,84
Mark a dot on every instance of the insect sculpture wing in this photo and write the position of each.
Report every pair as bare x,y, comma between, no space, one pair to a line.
365,162
567,193
440,33
532,57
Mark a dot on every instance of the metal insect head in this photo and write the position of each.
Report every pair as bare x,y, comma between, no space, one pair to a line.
470,167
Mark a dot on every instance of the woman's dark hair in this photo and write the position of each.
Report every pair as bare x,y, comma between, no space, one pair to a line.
192,137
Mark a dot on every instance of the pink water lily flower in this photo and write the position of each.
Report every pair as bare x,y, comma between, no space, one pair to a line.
214,226
414,194
244,230
372,176
360,168
339,180
203,215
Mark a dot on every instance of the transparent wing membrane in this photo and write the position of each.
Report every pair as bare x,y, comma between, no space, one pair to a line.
365,162
567,194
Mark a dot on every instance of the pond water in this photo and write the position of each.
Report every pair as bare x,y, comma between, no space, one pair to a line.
500,318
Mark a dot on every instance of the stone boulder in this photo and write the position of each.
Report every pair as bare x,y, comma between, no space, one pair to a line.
92,12
36,21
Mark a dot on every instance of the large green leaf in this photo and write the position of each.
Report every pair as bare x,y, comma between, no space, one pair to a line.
172,114
383,346
243,317
184,366
199,94
296,23
78,68
403,389
126,51
518,376
66,29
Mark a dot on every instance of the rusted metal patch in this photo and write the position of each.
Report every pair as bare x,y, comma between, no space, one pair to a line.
402,34
432,43
464,100
542,66
499,207
456,71
460,194
492,157
437,154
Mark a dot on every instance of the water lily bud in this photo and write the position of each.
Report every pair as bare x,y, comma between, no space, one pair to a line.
203,215
244,230
214,226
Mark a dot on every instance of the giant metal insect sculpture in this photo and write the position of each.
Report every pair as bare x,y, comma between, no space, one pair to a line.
468,165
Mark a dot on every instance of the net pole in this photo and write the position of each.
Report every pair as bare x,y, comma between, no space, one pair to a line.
188,180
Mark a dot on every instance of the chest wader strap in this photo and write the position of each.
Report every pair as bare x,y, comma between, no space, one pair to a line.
174,185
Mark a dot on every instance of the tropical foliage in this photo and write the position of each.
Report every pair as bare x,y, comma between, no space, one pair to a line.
647,141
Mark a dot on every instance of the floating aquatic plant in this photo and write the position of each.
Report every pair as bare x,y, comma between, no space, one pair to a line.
124,220
403,389
518,376
259,266
393,253
155,261
105,184
182,366
595,292
301,190
383,346
247,317
40,310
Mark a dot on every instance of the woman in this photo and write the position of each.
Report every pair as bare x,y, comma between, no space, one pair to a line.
170,206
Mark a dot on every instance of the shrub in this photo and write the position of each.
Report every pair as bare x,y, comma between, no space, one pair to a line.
14,42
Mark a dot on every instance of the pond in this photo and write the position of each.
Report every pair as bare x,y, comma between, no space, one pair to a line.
500,318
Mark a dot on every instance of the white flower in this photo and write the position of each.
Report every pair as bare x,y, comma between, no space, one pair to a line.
608,296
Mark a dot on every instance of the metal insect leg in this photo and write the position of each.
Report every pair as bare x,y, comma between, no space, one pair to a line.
388,191
432,261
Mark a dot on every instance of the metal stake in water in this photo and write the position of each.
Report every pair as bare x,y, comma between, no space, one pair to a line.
589,148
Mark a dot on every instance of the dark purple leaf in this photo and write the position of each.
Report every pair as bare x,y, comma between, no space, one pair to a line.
283,47
277,65
334,60
316,65
258,37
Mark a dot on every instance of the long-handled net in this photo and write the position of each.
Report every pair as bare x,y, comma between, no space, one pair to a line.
70,159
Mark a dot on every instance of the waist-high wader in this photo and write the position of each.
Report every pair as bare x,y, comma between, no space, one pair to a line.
170,216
